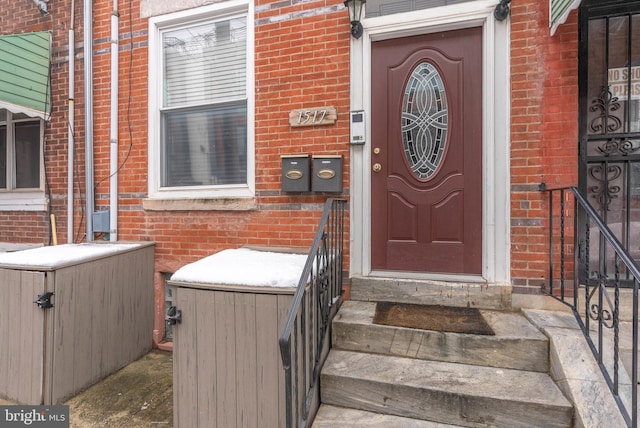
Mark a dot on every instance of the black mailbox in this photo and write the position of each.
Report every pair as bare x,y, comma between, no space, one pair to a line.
327,174
295,173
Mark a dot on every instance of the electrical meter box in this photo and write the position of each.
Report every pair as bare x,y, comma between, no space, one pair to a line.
296,174
327,174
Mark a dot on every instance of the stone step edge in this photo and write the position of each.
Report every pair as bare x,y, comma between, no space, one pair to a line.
395,370
528,349
349,380
330,416
447,293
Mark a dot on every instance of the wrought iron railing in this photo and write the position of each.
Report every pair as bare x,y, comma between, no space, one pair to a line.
592,273
304,338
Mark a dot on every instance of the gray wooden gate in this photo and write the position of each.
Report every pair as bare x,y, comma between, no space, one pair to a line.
227,366
227,369
97,319
22,335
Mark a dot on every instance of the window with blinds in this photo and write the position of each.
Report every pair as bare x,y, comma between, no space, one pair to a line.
204,104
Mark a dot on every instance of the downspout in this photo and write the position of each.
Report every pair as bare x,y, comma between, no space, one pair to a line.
113,135
70,121
88,116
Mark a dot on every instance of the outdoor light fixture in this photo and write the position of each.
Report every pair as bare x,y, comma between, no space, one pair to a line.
502,10
355,11
42,6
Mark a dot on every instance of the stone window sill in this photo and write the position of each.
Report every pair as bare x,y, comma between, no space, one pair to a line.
214,204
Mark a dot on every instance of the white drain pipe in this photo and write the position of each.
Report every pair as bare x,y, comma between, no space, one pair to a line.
113,134
88,116
70,122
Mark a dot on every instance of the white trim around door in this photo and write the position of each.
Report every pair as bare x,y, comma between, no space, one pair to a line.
496,132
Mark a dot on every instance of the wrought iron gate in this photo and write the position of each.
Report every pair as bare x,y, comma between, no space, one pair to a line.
609,81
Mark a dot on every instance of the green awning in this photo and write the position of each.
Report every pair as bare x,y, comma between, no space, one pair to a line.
24,73
559,12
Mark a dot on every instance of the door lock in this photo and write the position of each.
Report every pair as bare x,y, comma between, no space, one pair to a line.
44,300
377,167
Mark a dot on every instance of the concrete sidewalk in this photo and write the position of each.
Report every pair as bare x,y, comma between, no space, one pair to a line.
139,395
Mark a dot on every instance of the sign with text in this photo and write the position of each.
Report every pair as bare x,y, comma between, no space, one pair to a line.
34,416
619,83
314,116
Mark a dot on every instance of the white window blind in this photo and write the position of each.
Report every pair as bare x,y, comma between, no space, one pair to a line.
204,111
205,64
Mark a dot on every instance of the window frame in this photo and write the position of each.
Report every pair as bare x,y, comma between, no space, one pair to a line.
22,199
157,25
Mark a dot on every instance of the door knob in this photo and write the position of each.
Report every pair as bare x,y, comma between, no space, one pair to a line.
377,167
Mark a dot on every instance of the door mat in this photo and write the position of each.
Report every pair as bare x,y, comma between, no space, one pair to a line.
432,317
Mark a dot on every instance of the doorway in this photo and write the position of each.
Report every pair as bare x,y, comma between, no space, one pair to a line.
426,185
492,228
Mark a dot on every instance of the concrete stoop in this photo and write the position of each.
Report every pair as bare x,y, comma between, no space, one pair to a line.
517,344
383,376
474,295
334,417
452,393
576,372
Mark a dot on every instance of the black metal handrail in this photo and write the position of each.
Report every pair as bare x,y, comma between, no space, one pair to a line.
304,337
599,280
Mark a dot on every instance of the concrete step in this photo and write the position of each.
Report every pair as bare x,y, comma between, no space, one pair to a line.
340,417
517,344
467,294
450,393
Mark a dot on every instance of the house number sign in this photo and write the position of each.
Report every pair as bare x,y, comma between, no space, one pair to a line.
314,116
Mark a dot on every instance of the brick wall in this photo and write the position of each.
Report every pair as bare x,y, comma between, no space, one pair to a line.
30,226
297,65
302,61
544,129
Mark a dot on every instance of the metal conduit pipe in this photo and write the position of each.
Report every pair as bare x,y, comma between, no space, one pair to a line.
113,134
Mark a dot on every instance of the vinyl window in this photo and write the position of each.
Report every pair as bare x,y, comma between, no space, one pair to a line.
203,106
20,152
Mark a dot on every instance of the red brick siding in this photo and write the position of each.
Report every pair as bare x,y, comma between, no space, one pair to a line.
544,129
35,227
297,65
302,60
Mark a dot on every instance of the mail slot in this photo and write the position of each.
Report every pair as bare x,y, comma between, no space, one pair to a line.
327,174
296,175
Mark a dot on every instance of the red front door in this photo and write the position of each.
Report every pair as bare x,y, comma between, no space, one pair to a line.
426,161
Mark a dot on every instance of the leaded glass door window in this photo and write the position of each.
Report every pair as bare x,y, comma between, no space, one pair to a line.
425,121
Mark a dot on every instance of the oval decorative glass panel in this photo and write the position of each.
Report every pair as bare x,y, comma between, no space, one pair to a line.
425,120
